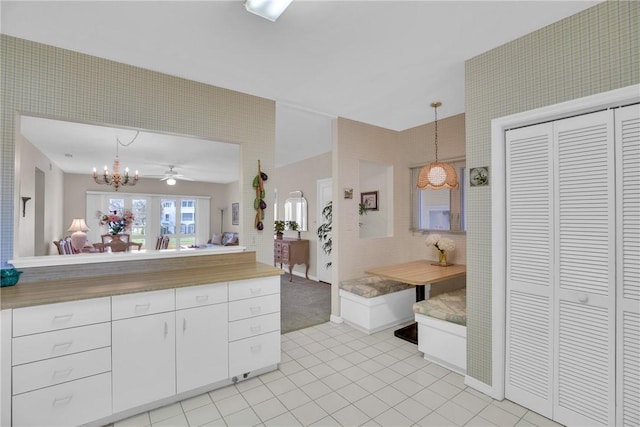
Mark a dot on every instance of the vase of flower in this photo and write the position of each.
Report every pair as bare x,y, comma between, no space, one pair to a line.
117,224
442,258
443,245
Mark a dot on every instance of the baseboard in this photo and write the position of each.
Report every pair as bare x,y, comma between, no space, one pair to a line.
336,319
482,387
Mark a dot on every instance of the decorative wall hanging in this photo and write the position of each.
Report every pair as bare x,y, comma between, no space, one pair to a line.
259,204
479,176
369,200
235,213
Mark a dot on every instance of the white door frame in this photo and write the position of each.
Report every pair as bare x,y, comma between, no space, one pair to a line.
614,98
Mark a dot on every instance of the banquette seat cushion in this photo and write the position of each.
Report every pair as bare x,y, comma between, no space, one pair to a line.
449,306
372,286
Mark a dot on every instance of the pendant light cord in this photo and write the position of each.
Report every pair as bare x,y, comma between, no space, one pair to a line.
435,106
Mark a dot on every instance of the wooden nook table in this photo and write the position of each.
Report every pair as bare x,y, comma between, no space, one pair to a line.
421,273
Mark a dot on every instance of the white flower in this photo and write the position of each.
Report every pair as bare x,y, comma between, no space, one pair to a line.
442,244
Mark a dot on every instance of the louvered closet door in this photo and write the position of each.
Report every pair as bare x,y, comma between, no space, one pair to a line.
627,122
530,256
584,235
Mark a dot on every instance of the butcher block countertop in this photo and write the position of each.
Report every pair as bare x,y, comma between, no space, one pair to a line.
117,280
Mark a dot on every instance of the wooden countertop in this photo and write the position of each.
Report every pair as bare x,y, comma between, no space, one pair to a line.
48,292
420,272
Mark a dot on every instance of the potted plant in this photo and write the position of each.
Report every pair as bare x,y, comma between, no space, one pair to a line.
279,227
293,226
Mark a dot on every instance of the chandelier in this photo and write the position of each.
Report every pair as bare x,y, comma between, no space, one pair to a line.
115,179
437,175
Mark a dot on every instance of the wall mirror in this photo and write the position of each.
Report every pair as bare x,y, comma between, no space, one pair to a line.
439,210
66,152
295,209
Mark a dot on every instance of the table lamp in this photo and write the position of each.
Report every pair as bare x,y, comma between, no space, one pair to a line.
79,237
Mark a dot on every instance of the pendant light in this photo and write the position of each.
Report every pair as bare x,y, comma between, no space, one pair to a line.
437,175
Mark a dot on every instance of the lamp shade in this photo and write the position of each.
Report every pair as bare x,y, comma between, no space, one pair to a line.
79,237
437,176
78,224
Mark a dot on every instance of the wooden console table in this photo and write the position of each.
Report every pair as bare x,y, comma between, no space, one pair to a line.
420,274
291,252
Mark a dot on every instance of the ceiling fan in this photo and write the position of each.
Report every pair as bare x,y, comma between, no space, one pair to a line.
171,176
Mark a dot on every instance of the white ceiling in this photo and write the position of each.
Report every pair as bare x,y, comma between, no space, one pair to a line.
378,62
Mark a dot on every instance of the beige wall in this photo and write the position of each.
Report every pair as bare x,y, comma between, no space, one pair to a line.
43,80
594,51
302,176
31,158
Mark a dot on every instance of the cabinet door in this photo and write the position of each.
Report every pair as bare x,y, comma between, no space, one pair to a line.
201,346
143,360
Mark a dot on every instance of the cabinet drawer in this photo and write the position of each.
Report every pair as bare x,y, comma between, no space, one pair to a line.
254,353
49,372
51,317
254,326
36,347
142,304
72,403
250,288
195,296
252,307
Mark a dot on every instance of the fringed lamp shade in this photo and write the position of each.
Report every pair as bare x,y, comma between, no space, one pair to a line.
437,176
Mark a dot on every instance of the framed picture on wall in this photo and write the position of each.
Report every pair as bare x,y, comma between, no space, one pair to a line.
370,200
235,213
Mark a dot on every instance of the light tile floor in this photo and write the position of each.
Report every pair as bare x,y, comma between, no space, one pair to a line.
334,375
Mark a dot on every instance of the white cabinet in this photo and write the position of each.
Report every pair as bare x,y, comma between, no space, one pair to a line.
254,324
61,363
201,336
143,349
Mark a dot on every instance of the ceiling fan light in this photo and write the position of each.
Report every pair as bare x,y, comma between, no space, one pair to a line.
267,9
171,181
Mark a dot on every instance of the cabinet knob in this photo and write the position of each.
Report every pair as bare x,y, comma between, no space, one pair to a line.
583,298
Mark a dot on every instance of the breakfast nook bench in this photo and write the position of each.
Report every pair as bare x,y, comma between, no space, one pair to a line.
372,303
442,329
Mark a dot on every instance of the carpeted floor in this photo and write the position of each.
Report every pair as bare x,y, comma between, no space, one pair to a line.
304,303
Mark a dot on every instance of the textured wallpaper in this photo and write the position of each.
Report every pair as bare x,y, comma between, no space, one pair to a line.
594,51
57,83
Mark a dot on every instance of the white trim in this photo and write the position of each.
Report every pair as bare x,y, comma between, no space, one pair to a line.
481,387
92,258
614,98
335,319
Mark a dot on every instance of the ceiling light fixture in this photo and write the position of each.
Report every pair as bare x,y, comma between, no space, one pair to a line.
437,175
267,9
171,181
116,179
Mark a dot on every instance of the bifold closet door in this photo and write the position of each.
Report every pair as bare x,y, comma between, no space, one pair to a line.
584,300
530,261
627,125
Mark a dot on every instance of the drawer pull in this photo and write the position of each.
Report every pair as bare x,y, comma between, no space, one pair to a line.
62,318
62,373
61,347
59,401
202,298
184,324
256,329
166,329
256,348
141,307
255,310
256,291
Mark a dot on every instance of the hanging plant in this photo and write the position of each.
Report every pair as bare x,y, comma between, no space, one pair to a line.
259,204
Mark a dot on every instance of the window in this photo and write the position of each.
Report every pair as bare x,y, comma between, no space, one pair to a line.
442,210
185,219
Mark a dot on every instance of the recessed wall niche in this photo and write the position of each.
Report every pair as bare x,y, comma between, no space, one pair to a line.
376,177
